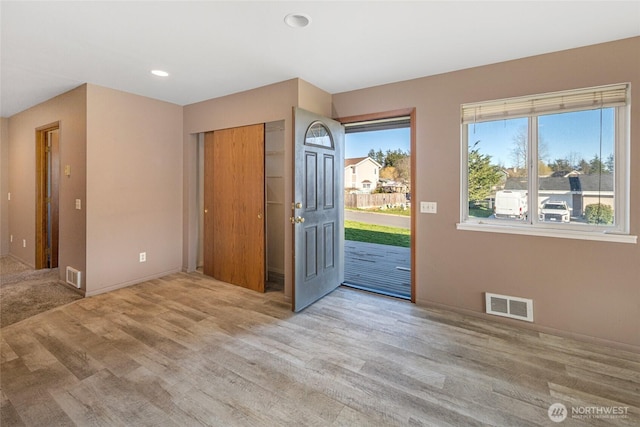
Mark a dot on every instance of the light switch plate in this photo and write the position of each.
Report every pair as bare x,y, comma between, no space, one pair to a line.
78,204
428,207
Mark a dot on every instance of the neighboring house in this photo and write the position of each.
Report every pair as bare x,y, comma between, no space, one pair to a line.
389,186
361,173
576,189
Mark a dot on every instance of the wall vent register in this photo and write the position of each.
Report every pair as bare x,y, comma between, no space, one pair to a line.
507,306
74,277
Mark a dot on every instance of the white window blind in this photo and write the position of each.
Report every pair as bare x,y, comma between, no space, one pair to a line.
556,102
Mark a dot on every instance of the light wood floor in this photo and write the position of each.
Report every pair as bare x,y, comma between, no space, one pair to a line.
187,350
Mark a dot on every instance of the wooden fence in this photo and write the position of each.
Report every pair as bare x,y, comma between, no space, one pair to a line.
373,200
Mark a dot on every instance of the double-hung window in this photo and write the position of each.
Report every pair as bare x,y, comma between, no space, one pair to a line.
554,164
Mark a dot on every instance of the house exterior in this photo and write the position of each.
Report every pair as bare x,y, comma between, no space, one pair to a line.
361,174
389,186
577,190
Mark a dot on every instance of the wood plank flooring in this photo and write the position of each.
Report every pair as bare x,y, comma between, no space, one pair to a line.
187,350
379,268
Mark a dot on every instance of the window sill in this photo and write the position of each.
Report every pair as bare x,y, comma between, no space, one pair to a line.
561,234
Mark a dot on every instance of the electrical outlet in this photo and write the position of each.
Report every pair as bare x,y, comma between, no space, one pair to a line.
24,243
78,204
143,257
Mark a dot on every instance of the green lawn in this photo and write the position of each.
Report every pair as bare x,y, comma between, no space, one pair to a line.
370,233
394,211
480,212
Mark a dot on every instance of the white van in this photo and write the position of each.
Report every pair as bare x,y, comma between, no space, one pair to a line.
511,204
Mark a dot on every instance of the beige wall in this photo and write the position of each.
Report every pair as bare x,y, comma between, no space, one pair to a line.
4,186
69,109
134,188
134,166
314,99
265,104
455,267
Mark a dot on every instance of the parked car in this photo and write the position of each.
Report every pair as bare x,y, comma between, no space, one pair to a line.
555,211
511,204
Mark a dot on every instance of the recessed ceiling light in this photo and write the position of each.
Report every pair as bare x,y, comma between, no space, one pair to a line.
159,73
297,20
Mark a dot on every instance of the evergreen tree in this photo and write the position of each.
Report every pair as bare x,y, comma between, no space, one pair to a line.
560,165
378,156
584,167
392,158
596,165
483,175
610,163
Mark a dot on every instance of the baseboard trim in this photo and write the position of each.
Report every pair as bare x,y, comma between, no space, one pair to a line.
532,326
73,288
130,283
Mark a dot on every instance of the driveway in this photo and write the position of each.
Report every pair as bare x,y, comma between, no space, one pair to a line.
378,219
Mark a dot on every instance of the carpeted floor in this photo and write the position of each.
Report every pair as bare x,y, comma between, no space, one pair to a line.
25,292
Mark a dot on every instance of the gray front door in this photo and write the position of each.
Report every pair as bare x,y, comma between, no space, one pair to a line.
317,214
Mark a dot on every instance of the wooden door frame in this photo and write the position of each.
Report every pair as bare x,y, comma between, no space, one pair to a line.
411,112
42,169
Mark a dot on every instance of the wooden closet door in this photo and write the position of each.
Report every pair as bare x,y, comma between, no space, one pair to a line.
234,199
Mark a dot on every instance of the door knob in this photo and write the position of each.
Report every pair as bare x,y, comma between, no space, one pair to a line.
296,220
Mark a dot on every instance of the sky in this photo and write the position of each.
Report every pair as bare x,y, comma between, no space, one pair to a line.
358,144
566,134
563,135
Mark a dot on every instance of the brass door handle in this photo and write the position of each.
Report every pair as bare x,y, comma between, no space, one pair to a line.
296,220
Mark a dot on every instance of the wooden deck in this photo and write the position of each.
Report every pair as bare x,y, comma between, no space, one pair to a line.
378,268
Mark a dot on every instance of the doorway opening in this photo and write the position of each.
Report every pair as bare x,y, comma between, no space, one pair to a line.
47,195
377,203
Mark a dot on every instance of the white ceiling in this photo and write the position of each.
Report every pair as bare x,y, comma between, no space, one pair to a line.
216,48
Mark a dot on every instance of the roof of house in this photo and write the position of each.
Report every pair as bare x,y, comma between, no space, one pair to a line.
354,161
578,183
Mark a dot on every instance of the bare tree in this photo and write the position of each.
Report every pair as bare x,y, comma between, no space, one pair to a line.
573,159
520,148
403,169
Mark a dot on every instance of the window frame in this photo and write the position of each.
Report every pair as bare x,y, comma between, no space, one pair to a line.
619,232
